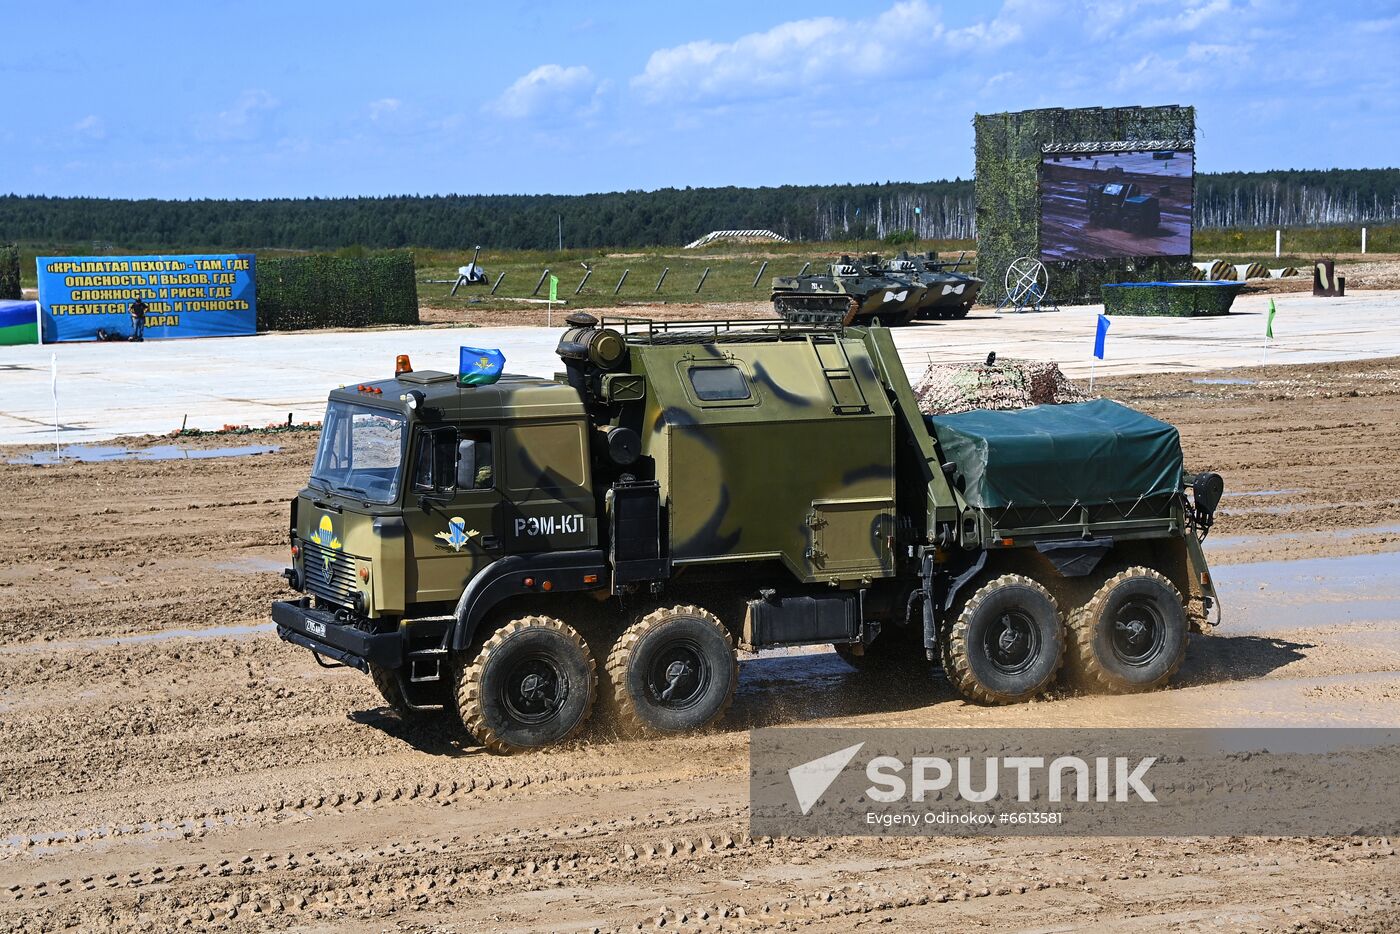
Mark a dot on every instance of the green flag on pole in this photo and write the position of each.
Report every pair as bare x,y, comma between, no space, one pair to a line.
554,288
1269,326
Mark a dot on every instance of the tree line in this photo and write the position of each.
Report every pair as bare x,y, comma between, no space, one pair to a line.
667,217
1293,198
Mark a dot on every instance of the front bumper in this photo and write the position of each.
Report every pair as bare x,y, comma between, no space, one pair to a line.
319,631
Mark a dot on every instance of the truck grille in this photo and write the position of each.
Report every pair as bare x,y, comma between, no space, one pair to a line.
330,573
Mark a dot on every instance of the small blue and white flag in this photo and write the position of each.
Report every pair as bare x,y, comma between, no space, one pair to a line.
480,366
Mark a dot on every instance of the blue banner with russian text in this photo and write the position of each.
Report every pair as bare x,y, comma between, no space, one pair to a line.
85,298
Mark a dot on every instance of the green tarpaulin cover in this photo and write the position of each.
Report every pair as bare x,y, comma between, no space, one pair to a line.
1086,452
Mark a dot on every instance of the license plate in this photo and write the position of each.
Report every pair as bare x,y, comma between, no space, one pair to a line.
315,628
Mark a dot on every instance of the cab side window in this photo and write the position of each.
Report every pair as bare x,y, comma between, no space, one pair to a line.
448,460
475,468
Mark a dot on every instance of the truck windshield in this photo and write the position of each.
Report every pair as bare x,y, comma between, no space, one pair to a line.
361,451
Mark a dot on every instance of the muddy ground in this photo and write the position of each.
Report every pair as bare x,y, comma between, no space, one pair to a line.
167,762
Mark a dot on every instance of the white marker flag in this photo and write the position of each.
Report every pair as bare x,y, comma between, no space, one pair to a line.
53,390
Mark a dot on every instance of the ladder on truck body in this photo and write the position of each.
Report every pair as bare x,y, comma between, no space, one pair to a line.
847,397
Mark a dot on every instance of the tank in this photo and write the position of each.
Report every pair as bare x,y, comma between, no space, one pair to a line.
947,292
854,291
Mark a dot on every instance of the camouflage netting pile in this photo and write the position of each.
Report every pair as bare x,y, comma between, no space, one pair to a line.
949,388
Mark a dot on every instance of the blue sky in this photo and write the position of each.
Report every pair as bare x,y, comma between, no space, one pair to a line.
296,98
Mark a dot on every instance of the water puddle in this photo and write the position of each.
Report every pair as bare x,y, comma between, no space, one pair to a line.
1271,596
1263,493
1224,381
1290,508
213,632
97,453
1228,542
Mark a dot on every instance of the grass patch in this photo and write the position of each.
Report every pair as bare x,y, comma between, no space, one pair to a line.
1305,243
732,271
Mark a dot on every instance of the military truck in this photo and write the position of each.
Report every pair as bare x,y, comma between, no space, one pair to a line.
506,552
854,291
1124,206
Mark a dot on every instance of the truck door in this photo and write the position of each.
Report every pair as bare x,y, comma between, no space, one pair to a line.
452,511
549,500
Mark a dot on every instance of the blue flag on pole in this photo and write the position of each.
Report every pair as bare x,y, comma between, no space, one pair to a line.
1100,336
480,367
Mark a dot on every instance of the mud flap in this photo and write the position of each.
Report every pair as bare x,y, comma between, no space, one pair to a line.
1075,557
1200,578
932,609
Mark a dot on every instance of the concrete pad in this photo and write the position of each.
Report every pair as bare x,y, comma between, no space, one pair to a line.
106,390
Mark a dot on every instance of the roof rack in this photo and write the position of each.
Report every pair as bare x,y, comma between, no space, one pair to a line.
721,330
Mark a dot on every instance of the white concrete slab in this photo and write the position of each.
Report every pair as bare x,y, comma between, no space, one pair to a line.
106,390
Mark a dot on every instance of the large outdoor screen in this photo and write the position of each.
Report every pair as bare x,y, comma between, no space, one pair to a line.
1103,205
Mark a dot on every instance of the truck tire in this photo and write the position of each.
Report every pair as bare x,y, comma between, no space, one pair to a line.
1006,643
673,671
1131,635
531,684
387,681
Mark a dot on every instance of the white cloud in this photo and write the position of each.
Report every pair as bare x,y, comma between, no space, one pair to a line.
90,127
550,88
1197,14
800,55
1200,66
243,121
383,107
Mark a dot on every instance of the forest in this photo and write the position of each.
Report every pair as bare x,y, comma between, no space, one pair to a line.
670,216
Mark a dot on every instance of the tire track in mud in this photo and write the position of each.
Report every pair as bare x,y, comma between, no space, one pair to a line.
655,858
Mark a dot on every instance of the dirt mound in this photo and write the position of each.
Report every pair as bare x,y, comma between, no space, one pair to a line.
949,388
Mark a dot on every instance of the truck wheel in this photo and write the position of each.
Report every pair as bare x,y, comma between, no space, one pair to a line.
387,681
1006,643
531,684
672,671
1131,635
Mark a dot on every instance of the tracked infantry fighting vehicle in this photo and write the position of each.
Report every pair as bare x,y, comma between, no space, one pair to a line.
504,552
1122,205
854,292
947,293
